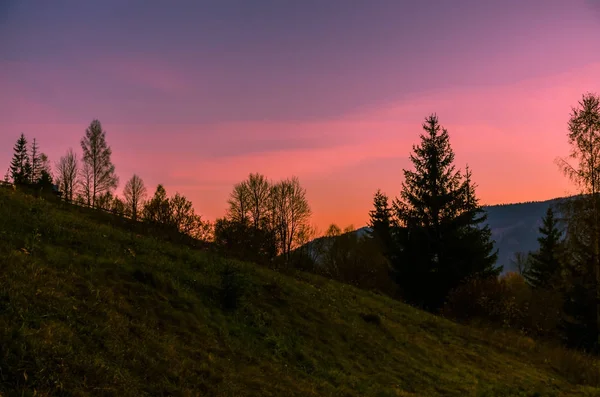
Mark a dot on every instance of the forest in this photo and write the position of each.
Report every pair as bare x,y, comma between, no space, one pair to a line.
429,246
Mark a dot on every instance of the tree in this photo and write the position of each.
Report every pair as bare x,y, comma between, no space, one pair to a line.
545,264
67,169
582,215
239,203
290,213
158,208
117,206
45,179
182,216
472,252
100,171
248,229
522,262
441,242
381,223
135,194
258,190
20,166
105,201
243,241
35,163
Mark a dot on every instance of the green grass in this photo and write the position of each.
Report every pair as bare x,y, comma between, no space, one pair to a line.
88,307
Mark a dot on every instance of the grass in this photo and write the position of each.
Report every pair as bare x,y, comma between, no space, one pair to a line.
88,307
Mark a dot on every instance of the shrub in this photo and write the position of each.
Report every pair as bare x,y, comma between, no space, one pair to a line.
509,302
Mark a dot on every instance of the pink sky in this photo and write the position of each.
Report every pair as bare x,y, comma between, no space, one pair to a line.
196,126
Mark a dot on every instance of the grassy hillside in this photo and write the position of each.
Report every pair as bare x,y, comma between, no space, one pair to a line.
90,308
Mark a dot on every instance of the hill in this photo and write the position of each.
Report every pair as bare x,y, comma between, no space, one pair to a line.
90,307
515,228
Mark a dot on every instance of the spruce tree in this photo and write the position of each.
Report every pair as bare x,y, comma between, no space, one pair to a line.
20,166
442,242
472,252
36,166
380,223
545,263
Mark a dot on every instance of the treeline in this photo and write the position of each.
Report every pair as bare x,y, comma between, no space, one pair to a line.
91,180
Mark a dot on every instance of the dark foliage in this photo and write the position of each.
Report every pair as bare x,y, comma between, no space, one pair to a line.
544,269
442,236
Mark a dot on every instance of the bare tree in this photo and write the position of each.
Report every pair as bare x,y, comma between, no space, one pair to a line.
97,156
290,213
86,182
239,203
67,169
135,194
258,190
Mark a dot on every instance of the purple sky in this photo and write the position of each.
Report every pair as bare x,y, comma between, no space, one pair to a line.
197,94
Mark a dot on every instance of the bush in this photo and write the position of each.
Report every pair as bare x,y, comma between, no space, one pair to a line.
508,302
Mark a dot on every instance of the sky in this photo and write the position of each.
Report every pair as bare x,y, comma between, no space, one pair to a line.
198,94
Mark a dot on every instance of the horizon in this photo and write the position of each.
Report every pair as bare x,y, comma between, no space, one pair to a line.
331,94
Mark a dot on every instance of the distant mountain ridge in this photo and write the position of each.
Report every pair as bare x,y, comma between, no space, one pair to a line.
514,228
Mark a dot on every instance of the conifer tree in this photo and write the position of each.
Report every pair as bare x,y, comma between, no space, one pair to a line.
545,264
20,166
35,160
380,223
473,252
442,242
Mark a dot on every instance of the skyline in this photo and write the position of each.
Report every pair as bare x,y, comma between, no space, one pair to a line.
333,95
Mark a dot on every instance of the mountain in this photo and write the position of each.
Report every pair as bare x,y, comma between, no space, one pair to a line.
93,305
515,228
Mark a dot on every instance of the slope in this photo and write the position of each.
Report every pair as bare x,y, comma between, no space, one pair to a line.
89,308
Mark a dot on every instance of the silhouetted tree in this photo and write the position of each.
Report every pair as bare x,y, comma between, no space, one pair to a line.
239,203
290,213
545,264
582,214
381,223
99,170
67,169
20,166
258,190
470,246
522,262
158,208
135,194
35,160
245,242
117,206
45,179
441,241
105,201
182,216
